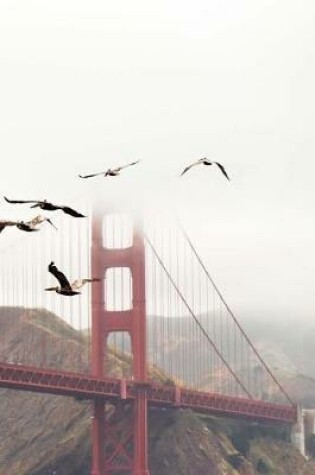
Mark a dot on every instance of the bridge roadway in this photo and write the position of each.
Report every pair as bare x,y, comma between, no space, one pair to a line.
34,379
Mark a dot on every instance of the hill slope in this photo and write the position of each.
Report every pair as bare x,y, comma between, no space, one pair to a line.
41,433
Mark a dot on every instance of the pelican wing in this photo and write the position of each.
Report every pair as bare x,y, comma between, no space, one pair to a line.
62,279
125,166
222,169
27,227
71,212
93,174
21,201
192,165
4,224
78,283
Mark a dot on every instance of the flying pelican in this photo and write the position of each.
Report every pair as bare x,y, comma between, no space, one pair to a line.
110,171
28,226
48,206
206,161
65,287
31,226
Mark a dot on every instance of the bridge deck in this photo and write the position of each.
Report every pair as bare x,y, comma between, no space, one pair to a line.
30,378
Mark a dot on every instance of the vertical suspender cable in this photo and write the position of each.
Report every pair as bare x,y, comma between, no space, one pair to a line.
236,321
188,307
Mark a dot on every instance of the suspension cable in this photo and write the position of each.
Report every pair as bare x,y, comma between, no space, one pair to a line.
233,316
195,318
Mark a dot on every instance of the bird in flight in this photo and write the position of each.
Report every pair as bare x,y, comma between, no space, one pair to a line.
65,288
27,226
48,206
32,225
110,171
206,161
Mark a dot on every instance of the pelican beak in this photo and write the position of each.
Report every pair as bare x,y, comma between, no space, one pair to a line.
36,205
50,288
47,219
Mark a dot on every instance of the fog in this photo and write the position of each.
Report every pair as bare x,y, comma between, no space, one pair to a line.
86,85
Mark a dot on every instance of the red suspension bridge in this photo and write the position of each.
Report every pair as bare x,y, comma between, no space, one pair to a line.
157,309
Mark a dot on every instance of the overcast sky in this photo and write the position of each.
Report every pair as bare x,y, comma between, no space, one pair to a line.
91,84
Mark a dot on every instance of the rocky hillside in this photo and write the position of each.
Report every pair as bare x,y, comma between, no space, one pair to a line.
194,445
42,433
53,434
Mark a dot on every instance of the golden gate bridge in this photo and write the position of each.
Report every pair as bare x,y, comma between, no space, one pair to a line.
156,306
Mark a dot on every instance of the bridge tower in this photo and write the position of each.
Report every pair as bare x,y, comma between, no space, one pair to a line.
115,449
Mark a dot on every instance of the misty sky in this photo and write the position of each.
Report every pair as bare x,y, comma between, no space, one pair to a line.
91,84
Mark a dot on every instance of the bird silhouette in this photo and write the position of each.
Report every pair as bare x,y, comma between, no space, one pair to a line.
32,225
65,288
4,223
48,206
110,171
206,161
27,226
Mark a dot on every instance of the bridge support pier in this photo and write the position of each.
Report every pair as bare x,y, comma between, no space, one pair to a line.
140,436
119,436
298,432
98,456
